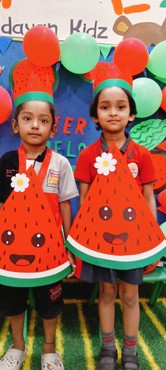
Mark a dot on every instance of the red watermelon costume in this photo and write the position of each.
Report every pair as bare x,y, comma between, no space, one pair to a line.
32,249
96,237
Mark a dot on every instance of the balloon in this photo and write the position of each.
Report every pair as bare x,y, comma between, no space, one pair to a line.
5,105
147,95
41,46
131,54
79,53
163,102
157,57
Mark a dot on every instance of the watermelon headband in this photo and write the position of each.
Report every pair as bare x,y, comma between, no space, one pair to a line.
113,82
31,82
109,75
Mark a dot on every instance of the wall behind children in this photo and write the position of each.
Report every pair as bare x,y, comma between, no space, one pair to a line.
108,22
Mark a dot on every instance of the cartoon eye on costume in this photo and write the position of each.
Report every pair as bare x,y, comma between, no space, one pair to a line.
38,240
129,214
7,237
105,213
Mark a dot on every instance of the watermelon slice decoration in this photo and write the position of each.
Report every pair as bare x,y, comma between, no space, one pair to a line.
159,163
32,251
114,227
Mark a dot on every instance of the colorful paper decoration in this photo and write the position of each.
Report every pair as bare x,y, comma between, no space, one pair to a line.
32,249
149,133
159,163
114,227
162,201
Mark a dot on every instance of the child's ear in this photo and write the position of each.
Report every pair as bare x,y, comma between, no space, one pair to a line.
95,119
53,131
131,118
15,126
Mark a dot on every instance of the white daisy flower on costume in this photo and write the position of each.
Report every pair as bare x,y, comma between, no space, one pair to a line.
19,182
105,164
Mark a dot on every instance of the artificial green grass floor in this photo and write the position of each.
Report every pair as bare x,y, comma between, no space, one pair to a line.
77,334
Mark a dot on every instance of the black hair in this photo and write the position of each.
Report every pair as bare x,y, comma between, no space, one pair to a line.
18,110
94,104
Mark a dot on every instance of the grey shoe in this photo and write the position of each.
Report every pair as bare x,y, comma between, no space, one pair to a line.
130,362
107,360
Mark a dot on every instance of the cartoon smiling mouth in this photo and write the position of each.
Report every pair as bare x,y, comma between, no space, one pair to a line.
115,239
22,260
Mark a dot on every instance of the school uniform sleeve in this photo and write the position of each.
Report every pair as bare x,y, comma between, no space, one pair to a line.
67,185
85,170
2,177
8,168
147,172
82,171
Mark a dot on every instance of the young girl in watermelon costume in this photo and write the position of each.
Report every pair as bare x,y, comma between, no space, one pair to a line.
36,185
112,109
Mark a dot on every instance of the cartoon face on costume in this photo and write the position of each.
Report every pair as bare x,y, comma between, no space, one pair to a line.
32,249
30,241
114,223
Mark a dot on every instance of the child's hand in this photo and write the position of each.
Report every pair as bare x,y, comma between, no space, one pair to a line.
72,261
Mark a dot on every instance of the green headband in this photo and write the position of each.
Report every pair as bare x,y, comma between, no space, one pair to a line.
34,95
113,82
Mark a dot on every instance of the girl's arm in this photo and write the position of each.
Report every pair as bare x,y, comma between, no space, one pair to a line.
149,197
66,213
150,200
83,189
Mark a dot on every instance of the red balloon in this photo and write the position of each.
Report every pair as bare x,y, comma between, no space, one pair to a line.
131,54
163,102
5,105
41,46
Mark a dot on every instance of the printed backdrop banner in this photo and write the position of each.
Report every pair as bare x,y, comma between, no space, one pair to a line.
96,17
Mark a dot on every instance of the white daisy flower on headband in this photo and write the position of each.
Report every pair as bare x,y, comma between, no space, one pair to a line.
19,182
105,164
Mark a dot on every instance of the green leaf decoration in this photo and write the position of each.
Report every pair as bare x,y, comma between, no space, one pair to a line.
149,133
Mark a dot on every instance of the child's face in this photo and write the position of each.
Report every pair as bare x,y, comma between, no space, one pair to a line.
113,110
34,123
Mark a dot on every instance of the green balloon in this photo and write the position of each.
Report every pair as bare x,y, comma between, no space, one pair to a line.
157,58
147,95
79,53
